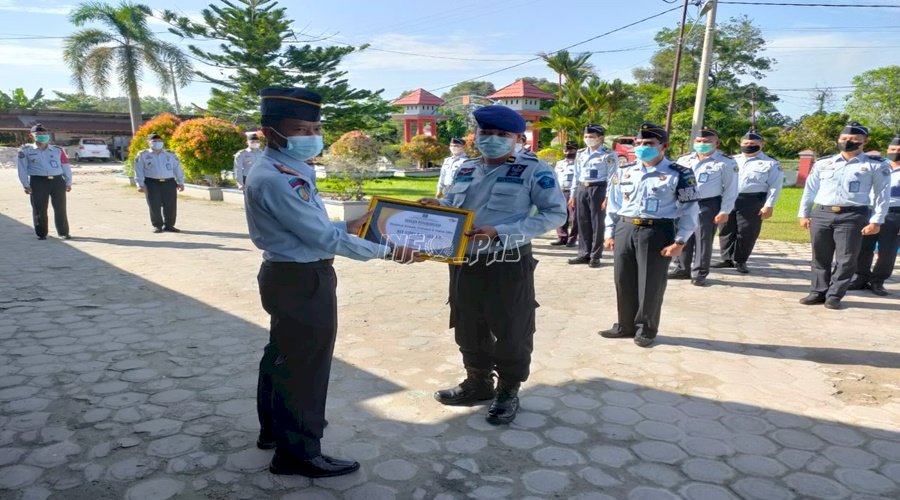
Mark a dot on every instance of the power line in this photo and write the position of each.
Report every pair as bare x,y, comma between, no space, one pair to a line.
837,5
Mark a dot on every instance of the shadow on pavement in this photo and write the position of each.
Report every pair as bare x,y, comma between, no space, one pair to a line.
185,245
217,234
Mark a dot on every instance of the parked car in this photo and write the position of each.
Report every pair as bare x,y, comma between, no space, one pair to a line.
92,149
624,148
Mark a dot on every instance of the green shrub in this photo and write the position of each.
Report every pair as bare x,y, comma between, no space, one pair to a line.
163,124
550,155
206,147
424,149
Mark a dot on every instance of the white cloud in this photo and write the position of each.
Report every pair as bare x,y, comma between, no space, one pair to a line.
41,8
23,54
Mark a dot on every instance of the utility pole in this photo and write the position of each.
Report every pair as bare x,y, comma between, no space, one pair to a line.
678,48
174,88
753,108
703,81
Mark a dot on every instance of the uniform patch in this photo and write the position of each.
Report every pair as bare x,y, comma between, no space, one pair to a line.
512,180
516,170
736,169
885,172
686,189
547,182
468,171
301,187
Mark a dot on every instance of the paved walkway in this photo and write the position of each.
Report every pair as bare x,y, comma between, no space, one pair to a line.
128,360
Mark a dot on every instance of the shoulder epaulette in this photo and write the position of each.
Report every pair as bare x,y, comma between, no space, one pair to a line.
628,165
680,168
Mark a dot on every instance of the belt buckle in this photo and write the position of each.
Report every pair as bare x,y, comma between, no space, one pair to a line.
585,183
638,222
836,210
49,177
162,180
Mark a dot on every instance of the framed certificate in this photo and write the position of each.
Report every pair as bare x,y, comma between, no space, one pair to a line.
438,233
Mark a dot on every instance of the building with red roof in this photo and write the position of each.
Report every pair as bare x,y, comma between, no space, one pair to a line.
419,113
525,98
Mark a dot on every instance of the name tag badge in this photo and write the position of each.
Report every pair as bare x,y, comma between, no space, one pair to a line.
704,177
54,163
592,174
854,187
651,205
168,166
895,191
569,177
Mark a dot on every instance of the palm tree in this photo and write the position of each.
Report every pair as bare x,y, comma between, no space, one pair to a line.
616,95
122,53
568,67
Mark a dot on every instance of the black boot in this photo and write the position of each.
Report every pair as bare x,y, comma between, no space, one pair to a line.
506,404
478,386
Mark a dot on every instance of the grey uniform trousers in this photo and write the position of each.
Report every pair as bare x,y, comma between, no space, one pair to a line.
835,238
591,219
640,275
888,241
697,253
738,236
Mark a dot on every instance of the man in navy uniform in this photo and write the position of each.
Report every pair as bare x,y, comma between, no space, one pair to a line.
717,186
846,197
515,198
158,174
46,176
567,234
652,211
759,184
451,165
593,166
246,158
887,239
297,283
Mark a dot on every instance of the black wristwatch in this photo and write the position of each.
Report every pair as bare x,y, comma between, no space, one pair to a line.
679,242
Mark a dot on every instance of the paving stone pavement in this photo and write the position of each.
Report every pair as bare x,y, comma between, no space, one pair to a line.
128,368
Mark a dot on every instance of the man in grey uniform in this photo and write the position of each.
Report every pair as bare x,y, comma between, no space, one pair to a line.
759,184
567,234
717,185
846,197
46,176
652,210
297,283
158,174
246,158
593,166
515,198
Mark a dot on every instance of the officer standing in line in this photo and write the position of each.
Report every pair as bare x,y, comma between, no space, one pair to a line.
46,176
567,234
158,175
245,159
451,165
759,183
593,165
652,210
297,283
846,197
717,185
515,198
887,238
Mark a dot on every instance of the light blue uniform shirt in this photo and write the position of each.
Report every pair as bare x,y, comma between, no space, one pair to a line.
448,171
287,218
151,164
46,162
519,198
858,182
760,174
653,192
894,184
716,175
594,166
244,161
565,174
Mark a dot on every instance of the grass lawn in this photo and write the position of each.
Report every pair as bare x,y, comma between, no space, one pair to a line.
405,188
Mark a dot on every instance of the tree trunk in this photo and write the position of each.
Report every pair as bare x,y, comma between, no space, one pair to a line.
134,108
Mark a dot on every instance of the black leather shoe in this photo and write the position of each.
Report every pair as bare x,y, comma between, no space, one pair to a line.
571,244
320,466
557,243
594,263
265,441
741,267
66,236
878,289
858,285
722,264
678,275
813,298
478,386
157,230
172,229
42,237
580,260
614,333
832,303
506,404
641,341
701,281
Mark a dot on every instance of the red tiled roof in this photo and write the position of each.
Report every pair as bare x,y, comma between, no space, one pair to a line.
419,96
520,88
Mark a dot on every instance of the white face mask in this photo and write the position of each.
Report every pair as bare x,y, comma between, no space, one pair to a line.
156,145
591,142
456,150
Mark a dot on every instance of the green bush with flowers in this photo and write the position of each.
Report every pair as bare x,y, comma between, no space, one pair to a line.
551,155
206,148
163,124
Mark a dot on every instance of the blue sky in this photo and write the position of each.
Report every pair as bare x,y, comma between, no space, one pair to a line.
814,47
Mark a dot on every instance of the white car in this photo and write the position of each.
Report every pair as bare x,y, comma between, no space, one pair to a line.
92,148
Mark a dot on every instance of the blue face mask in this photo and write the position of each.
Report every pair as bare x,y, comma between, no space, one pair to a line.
302,147
703,148
494,146
42,138
646,153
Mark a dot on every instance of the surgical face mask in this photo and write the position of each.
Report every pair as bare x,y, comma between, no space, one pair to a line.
750,149
848,146
254,145
519,147
570,156
894,157
703,148
42,138
456,150
494,146
156,145
646,153
591,142
302,147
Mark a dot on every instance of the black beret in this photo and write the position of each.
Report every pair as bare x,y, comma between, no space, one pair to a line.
252,136
594,129
457,141
652,131
896,140
499,118
709,132
855,128
752,135
571,145
38,128
278,103
153,136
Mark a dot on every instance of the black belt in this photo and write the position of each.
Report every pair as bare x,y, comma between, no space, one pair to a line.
48,177
894,210
591,184
637,221
287,266
839,209
503,256
711,198
160,180
760,195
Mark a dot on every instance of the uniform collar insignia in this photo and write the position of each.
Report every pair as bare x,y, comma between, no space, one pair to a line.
285,170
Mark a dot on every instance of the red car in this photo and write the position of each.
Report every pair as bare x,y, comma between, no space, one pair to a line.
624,148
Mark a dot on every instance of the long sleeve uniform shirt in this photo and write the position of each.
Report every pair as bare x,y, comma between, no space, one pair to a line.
858,182
716,175
593,167
45,162
161,164
448,171
760,174
244,161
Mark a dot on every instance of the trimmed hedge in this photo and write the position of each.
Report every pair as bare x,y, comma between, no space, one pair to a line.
163,124
206,147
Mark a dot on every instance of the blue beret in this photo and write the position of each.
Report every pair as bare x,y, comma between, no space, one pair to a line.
457,141
278,103
595,129
652,131
752,135
499,118
855,128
